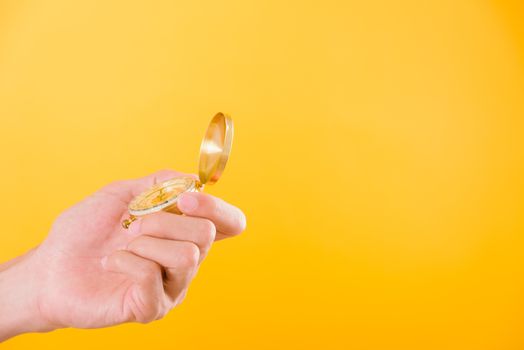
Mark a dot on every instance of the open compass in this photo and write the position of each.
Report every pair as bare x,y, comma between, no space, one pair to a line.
214,152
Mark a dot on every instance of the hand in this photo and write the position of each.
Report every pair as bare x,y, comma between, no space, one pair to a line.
90,272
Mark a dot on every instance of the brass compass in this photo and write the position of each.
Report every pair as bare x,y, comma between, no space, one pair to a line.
214,152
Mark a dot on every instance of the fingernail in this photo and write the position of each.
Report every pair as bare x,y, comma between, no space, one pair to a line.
103,261
187,203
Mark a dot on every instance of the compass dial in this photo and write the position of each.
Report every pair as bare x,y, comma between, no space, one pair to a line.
214,153
162,195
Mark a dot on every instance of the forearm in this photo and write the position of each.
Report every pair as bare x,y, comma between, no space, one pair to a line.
18,299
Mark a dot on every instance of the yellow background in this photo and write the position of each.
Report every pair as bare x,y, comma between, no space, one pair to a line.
378,157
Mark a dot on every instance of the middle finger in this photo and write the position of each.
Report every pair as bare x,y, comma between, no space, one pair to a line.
165,225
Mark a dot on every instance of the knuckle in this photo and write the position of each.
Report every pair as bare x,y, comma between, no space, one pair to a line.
149,272
146,305
189,257
210,205
208,230
148,314
117,258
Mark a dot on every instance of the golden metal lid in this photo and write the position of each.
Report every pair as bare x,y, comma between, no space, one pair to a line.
215,148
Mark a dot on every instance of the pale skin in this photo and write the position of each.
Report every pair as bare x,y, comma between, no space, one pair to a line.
90,272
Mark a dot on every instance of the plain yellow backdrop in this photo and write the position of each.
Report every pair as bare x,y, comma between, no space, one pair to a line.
378,156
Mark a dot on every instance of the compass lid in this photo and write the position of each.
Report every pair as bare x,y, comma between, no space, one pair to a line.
215,148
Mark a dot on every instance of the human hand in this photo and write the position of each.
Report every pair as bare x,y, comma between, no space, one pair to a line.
90,272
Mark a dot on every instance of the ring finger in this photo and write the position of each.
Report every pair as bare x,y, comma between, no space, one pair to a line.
179,259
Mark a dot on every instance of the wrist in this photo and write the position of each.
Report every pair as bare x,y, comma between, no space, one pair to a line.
19,311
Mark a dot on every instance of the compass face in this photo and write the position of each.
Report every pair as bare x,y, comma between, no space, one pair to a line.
161,195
